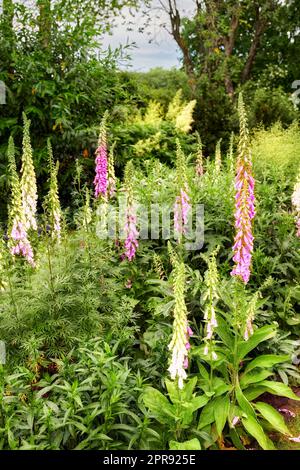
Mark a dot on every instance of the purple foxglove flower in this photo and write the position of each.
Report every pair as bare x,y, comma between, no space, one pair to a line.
101,179
181,212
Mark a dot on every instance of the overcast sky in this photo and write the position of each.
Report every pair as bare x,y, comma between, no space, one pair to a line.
160,52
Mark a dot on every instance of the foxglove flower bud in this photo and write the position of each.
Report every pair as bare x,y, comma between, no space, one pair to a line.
52,201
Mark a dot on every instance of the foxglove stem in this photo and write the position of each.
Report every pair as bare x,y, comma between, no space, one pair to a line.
244,204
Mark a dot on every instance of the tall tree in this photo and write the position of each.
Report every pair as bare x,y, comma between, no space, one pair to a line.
222,38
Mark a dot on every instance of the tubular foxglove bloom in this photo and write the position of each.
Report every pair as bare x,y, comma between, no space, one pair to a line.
111,172
52,201
179,345
199,157
181,212
182,204
101,178
18,240
296,204
244,203
28,179
131,233
211,297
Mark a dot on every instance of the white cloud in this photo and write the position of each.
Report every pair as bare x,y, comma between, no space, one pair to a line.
154,47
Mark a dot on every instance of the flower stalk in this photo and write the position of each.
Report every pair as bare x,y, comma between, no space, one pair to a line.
244,203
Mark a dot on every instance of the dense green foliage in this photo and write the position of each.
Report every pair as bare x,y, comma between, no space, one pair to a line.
87,332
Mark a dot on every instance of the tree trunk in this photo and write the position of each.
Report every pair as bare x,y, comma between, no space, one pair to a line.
259,28
176,33
229,45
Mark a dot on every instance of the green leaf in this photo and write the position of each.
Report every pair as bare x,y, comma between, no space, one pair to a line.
223,332
220,386
207,415
253,377
203,372
185,394
280,389
221,411
260,335
236,439
198,402
159,406
253,427
272,416
254,391
268,360
192,444
243,402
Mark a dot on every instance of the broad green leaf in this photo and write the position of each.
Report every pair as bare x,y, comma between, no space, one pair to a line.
243,402
260,335
254,391
272,416
185,410
223,332
203,372
280,389
192,444
220,387
198,402
236,439
207,415
176,395
253,427
221,411
159,406
267,360
253,377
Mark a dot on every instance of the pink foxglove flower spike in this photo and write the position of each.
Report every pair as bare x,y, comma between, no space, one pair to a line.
18,239
296,204
182,206
244,203
101,178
